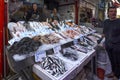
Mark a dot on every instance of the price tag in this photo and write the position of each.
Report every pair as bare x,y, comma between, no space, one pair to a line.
11,41
17,39
75,41
81,38
39,55
57,49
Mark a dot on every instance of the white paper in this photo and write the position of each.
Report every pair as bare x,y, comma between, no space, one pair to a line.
39,55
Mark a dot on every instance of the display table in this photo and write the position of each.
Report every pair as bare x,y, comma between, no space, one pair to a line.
68,75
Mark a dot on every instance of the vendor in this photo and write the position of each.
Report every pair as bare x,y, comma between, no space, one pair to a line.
33,15
55,15
14,7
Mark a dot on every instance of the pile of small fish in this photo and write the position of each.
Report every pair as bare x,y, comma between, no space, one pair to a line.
97,35
53,65
70,54
24,46
80,48
70,33
87,41
47,39
27,26
84,30
54,27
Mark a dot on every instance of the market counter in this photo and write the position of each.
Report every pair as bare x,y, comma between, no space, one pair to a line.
68,75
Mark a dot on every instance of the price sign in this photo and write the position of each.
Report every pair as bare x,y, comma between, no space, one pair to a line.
75,41
81,37
11,41
57,49
39,55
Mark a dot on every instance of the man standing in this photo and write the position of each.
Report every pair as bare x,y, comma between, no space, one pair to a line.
111,32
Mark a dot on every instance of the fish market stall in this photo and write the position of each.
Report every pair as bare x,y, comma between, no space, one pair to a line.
60,50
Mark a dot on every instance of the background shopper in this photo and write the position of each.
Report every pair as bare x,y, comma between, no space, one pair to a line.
14,10
55,15
34,14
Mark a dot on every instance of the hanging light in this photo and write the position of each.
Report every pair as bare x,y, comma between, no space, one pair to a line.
116,3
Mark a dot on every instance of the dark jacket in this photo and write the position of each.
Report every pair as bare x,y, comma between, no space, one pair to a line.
33,16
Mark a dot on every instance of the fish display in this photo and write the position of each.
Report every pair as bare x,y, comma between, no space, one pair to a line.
53,65
70,54
47,39
24,46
